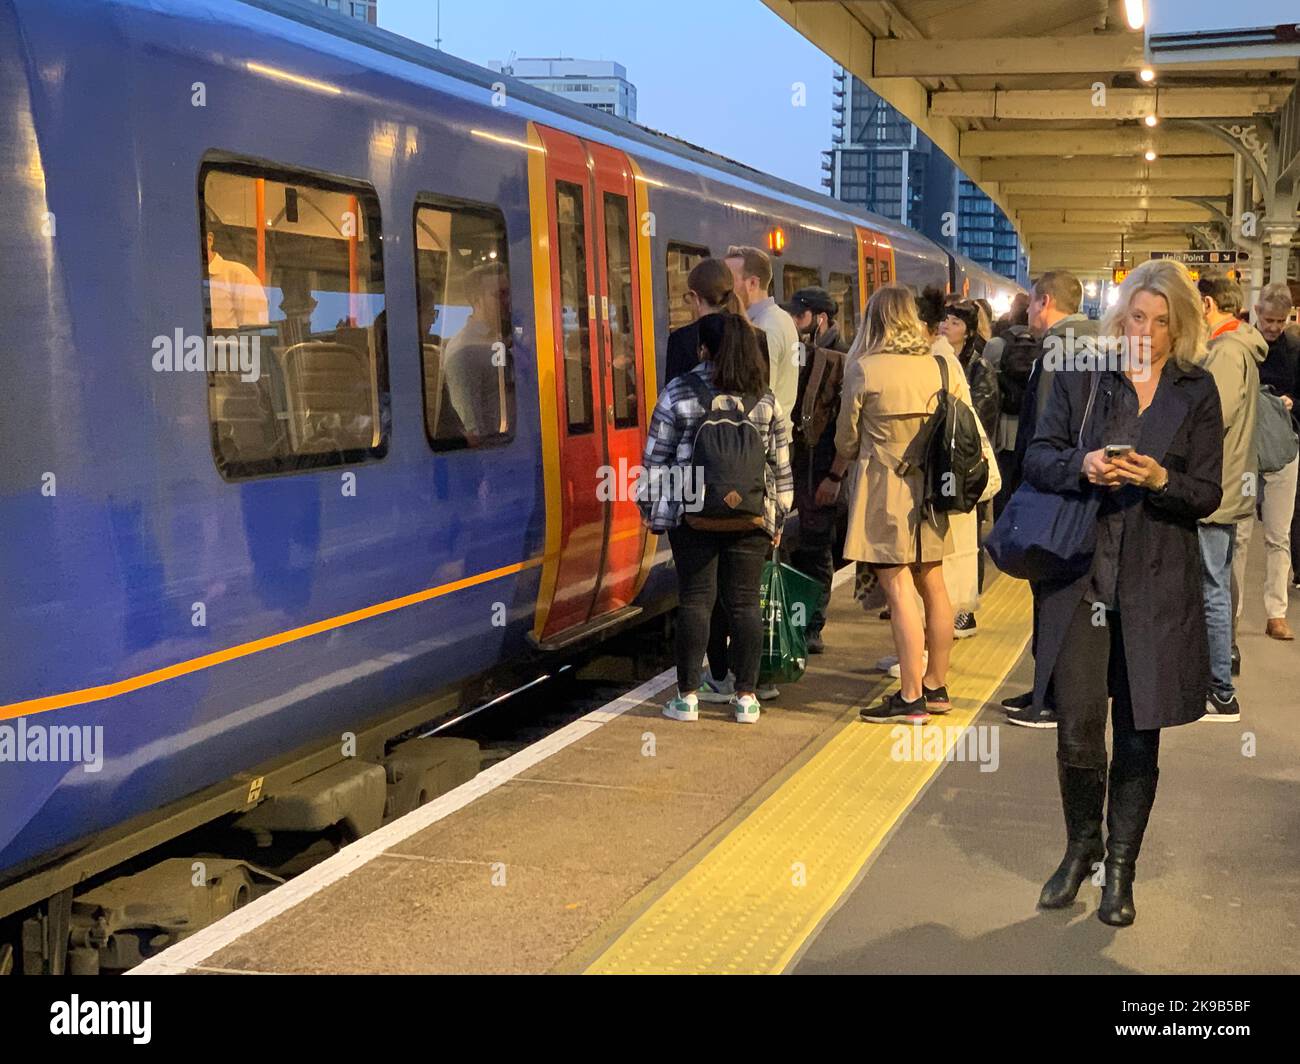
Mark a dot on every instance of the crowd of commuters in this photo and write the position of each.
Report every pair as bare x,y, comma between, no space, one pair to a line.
1178,447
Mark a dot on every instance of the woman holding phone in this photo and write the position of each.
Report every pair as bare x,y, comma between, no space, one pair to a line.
1149,437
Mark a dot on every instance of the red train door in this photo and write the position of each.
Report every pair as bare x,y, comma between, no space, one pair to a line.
620,313
875,262
594,413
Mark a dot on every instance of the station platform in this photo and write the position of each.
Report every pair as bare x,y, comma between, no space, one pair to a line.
810,843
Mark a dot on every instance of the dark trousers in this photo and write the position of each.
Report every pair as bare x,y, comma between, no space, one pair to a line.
814,553
1090,672
1295,540
1010,470
1049,696
713,567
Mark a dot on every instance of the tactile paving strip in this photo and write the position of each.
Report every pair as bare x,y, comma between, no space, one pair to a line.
751,902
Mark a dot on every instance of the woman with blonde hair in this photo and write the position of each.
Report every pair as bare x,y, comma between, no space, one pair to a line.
1140,437
891,386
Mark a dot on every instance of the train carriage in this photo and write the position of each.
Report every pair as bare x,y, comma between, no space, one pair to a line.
317,344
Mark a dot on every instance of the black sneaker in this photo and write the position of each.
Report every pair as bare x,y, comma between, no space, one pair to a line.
816,645
1029,717
884,614
897,710
1236,660
963,625
1019,701
936,699
1226,710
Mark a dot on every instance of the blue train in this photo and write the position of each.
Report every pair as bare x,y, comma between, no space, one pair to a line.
315,345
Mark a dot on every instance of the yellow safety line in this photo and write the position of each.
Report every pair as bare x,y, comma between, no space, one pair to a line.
749,905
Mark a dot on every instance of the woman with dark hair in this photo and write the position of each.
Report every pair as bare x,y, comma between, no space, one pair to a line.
710,289
1127,638
964,326
720,532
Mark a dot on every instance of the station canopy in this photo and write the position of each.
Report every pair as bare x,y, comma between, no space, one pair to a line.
1044,105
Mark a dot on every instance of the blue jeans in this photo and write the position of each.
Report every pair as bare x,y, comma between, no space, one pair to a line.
1216,578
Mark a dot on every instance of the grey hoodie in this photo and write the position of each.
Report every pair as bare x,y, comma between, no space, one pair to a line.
1233,358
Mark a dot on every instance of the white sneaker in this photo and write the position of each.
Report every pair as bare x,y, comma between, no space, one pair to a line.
712,690
766,694
746,707
679,708
891,666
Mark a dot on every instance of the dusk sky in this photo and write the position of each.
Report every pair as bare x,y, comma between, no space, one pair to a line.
718,73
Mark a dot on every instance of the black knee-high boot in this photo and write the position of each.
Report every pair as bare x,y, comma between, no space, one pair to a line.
1129,808
1083,793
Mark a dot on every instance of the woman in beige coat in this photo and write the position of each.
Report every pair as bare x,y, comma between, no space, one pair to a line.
891,386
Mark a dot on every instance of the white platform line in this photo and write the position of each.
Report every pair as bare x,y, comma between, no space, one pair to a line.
191,952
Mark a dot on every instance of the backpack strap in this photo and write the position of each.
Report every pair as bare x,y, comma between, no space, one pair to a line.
943,373
703,392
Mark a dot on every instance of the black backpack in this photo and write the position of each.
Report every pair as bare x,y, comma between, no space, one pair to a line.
1018,354
956,471
729,459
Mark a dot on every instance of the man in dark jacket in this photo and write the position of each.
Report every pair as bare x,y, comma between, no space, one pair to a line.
1055,319
817,404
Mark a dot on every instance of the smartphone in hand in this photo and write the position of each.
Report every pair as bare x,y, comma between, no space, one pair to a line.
1114,450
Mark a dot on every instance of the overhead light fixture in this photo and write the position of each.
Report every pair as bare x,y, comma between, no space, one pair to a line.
1150,156
1135,13
1091,289
1147,74
1151,120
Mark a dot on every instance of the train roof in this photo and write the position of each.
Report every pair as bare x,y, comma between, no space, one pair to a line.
394,45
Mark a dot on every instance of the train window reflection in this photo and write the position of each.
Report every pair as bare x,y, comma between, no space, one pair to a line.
794,278
843,289
682,259
622,321
575,311
463,301
294,295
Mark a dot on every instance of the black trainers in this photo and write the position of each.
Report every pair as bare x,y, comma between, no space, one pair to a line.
815,643
1236,660
1029,717
897,710
1019,701
936,698
963,625
884,614
1220,709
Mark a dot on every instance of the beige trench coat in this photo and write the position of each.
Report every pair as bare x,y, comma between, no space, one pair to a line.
887,398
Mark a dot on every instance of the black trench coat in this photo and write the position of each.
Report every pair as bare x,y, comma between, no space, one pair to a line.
1165,642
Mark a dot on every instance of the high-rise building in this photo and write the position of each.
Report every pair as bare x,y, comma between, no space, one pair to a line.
598,84
881,161
362,10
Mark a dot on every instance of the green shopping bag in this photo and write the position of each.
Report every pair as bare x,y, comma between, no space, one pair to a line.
787,600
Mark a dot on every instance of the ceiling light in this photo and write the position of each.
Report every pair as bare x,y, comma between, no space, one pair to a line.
1151,120
1150,156
1147,74
1135,13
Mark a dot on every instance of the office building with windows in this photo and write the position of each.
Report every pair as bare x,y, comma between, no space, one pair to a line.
598,84
879,160
362,10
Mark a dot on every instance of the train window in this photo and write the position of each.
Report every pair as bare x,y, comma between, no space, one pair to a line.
843,289
618,268
293,286
682,259
576,323
884,266
463,299
794,278
869,266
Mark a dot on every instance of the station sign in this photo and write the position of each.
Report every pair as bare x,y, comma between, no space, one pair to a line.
1218,260
1203,258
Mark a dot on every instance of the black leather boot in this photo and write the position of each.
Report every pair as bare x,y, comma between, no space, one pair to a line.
1083,793
1127,812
